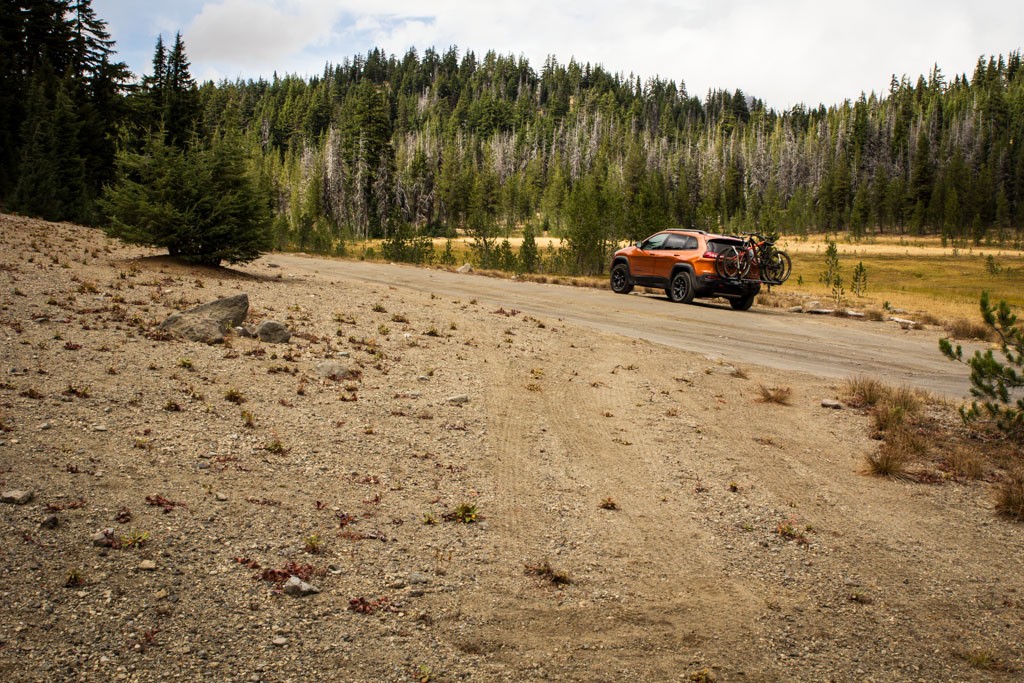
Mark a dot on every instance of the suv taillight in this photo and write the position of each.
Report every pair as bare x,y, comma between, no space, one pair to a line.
709,254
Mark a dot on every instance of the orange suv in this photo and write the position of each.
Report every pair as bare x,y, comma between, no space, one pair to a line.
682,262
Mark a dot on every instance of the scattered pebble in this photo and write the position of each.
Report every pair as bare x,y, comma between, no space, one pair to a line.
16,497
299,588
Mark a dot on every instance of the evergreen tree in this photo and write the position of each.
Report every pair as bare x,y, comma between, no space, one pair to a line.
529,258
37,191
180,104
999,384
60,95
198,203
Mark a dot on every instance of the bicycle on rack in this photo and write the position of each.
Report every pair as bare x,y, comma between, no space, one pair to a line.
773,265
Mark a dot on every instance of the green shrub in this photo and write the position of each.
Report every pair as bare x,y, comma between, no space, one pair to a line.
996,384
199,203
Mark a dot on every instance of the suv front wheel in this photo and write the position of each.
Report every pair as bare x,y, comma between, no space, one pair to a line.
681,288
620,279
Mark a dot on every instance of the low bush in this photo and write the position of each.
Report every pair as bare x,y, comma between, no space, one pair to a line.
865,392
1010,497
777,395
968,329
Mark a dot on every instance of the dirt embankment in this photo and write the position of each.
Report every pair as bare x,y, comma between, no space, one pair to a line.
638,513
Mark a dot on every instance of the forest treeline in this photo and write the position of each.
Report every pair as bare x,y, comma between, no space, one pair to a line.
445,142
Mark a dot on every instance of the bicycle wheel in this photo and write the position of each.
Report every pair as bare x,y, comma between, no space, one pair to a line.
731,264
777,268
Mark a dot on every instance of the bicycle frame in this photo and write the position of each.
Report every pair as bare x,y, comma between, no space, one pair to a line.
773,265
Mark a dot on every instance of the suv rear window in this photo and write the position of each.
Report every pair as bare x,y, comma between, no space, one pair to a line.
720,245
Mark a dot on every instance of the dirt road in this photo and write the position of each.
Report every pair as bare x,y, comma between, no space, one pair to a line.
822,346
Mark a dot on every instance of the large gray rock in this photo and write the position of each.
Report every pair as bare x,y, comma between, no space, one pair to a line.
207,323
273,332
230,311
203,330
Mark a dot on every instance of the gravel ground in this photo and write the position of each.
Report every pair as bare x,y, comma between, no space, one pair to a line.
487,496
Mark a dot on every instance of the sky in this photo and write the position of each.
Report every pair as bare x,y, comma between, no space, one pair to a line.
784,52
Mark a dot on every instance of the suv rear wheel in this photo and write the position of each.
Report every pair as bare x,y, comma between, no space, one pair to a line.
743,303
681,288
620,279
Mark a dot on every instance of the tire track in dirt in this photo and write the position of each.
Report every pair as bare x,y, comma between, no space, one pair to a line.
561,448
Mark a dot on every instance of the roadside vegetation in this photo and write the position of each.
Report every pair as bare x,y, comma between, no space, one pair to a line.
918,442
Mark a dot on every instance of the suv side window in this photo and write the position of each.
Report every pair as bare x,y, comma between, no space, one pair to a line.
654,242
681,242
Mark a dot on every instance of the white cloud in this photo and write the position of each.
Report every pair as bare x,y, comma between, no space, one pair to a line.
257,34
784,51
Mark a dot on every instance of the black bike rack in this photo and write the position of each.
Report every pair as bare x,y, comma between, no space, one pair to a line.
748,281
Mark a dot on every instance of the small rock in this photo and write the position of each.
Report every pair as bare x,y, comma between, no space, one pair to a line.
49,522
147,566
103,537
220,497
418,579
465,268
332,369
796,309
280,641
904,323
297,587
831,404
16,497
820,311
45,426
161,594
459,400
273,332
